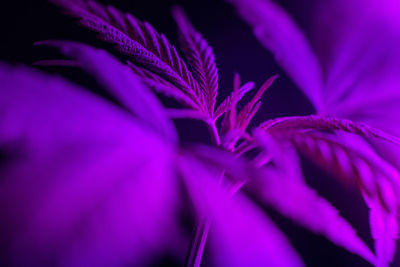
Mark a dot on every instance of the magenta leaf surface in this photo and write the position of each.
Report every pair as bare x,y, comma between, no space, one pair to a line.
200,57
89,180
242,234
121,83
280,34
140,41
89,184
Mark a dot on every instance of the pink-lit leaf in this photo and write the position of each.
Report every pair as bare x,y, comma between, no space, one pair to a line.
162,86
240,233
236,170
276,30
229,121
315,122
233,98
138,40
121,83
385,231
236,122
350,158
348,161
85,183
201,58
301,203
384,205
247,113
355,61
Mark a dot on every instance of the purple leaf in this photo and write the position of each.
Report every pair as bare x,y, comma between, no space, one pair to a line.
385,231
352,55
247,113
362,70
233,98
121,83
356,163
234,125
315,122
229,122
137,39
240,233
350,160
85,184
200,57
162,86
283,187
279,34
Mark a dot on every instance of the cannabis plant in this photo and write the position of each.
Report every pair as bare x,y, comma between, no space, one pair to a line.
103,180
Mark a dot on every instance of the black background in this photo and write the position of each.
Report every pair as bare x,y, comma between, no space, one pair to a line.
236,50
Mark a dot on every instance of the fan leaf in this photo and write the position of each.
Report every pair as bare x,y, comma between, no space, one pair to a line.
119,80
277,31
315,122
241,233
378,182
137,39
201,58
233,98
247,113
81,190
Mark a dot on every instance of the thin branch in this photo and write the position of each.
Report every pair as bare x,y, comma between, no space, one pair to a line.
197,246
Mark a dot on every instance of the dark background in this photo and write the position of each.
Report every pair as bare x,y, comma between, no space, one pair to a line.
236,50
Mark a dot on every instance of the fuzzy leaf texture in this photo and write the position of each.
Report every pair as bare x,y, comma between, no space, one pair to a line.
380,188
88,182
300,202
231,100
377,180
327,123
247,113
121,83
236,122
201,58
137,39
360,71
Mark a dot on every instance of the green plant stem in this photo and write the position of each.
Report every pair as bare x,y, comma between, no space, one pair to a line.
199,241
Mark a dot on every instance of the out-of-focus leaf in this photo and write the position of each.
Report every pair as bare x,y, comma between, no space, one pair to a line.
85,184
241,235
282,187
279,33
315,122
124,85
349,157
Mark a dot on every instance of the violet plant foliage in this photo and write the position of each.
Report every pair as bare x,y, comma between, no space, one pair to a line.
353,74
92,183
